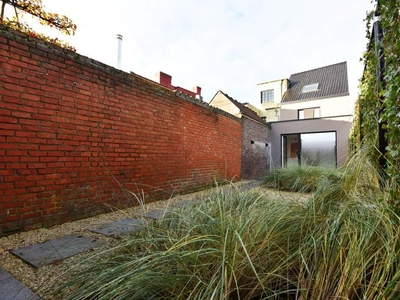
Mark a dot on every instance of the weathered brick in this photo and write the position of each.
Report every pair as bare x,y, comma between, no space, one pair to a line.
7,132
6,119
73,127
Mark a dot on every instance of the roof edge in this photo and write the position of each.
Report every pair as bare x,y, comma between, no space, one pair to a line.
327,66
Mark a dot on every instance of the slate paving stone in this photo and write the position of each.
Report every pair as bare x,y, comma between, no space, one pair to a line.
154,214
121,227
12,289
187,203
253,184
52,251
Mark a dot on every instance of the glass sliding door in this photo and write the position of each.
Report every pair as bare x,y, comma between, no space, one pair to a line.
315,149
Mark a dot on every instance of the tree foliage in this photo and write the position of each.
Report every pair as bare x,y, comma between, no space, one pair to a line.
380,103
36,9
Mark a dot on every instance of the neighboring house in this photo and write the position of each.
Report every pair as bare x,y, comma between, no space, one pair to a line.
255,136
313,117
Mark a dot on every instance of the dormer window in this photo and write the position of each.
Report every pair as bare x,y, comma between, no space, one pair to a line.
310,88
267,96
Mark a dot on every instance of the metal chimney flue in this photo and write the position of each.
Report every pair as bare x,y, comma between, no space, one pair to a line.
119,38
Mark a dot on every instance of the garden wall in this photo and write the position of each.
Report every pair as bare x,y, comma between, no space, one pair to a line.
255,148
77,136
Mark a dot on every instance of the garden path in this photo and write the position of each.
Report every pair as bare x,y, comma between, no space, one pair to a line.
44,255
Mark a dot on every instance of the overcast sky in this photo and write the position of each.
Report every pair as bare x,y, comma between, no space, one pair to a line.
228,45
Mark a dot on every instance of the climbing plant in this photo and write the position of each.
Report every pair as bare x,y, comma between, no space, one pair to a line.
36,9
365,125
391,94
379,100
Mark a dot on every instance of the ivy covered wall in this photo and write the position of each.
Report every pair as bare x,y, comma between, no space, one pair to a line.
377,113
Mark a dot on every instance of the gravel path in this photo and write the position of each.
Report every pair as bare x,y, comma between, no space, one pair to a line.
43,279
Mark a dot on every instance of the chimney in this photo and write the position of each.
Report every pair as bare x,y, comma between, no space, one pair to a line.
164,79
119,38
197,90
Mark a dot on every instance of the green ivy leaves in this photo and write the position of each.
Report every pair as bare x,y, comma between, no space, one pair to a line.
374,98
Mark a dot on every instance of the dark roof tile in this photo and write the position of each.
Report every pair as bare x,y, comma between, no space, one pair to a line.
332,82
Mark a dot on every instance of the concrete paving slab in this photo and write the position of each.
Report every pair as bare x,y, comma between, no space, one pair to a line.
187,203
121,227
49,252
12,289
252,184
154,214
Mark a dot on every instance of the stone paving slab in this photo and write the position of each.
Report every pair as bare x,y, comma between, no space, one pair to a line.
39,255
12,289
121,227
187,203
154,214
252,184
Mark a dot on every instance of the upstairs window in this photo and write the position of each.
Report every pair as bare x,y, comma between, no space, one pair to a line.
317,112
267,96
309,113
310,88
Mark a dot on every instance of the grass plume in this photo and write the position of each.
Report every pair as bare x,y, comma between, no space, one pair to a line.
341,243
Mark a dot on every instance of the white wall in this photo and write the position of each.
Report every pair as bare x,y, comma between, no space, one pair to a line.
221,102
267,109
279,87
329,107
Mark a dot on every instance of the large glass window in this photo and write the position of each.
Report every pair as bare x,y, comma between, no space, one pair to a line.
318,149
267,96
315,149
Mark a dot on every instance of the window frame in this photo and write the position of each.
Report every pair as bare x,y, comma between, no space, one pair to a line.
310,88
267,96
301,113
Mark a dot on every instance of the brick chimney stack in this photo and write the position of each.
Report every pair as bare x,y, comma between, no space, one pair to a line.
196,89
166,80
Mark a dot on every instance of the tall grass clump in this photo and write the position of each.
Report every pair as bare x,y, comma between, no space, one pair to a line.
227,247
302,179
342,243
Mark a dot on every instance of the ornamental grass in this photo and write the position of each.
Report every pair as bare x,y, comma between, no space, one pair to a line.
341,243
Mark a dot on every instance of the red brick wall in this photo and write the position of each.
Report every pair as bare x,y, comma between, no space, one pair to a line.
76,134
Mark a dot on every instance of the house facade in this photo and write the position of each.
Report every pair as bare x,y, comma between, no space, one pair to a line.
256,151
310,114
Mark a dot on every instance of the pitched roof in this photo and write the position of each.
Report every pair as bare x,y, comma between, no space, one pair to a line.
332,82
243,109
